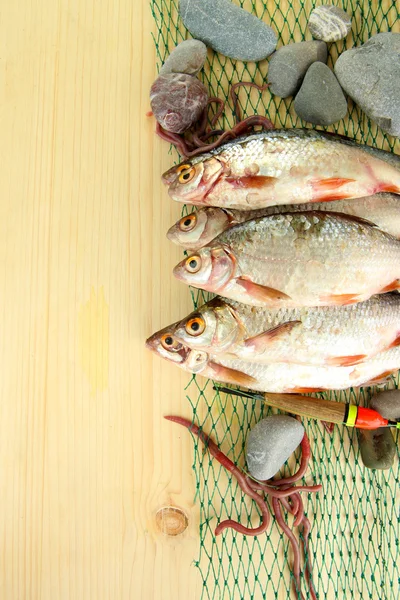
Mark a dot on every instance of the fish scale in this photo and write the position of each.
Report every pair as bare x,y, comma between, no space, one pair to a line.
283,167
297,259
205,224
316,335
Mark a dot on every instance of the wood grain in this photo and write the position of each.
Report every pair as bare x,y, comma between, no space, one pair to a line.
86,458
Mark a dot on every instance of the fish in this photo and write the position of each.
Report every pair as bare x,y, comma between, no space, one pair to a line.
289,378
200,227
283,166
297,259
325,336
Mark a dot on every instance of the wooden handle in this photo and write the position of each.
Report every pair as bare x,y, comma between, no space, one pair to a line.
315,408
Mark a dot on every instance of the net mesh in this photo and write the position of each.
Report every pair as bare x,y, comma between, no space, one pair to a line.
355,535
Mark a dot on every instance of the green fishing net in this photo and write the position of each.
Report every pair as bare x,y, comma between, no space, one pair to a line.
355,520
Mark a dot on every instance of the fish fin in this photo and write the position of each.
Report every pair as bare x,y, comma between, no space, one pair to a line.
251,181
261,292
340,299
329,189
396,342
395,285
389,187
382,378
232,376
346,361
260,342
304,390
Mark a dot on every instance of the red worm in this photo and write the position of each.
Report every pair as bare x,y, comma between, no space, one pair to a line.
259,485
329,427
241,479
305,459
294,543
306,533
235,97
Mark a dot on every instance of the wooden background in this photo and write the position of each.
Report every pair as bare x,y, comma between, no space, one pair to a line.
86,459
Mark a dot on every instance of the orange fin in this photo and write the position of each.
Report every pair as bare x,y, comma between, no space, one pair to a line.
389,187
395,285
305,390
382,378
251,181
232,376
396,342
346,361
259,342
340,299
329,189
261,292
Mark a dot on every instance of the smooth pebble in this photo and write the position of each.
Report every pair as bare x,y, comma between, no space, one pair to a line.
177,101
289,64
370,75
320,99
228,29
387,404
377,448
329,23
270,443
187,57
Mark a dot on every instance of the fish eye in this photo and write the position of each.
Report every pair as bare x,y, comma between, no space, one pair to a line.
195,326
186,173
169,343
187,223
193,264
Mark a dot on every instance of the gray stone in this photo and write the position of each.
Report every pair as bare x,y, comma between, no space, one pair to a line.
320,99
270,443
329,23
377,448
228,29
187,57
387,404
370,74
289,64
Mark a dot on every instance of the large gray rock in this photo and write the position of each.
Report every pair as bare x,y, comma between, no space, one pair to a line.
329,23
228,29
289,64
370,74
320,99
377,448
187,57
270,443
387,404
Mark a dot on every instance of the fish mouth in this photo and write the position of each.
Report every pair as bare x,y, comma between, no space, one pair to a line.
169,176
178,271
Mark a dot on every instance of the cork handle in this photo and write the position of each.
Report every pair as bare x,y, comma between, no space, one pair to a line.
315,408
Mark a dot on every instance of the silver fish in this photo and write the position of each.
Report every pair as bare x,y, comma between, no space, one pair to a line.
283,166
326,336
298,259
199,228
275,377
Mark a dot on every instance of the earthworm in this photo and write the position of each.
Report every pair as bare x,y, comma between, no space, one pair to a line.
305,459
241,479
294,543
235,97
287,495
268,489
329,427
194,142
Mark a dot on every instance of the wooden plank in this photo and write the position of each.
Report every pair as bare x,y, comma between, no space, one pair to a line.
86,458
